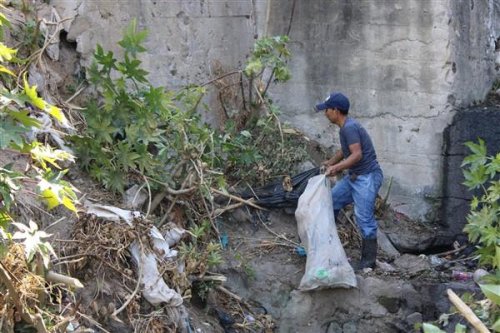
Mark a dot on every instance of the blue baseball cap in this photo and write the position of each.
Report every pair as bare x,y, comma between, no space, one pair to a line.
335,100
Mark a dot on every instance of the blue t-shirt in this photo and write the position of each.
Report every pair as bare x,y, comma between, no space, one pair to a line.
352,132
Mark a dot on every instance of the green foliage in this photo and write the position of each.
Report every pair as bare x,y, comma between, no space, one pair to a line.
200,252
15,107
140,129
29,36
18,102
270,52
262,150
481,172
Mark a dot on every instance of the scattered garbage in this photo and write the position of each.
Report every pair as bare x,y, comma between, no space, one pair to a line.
224,240
461,276
155,289
436,261
326,265
478,274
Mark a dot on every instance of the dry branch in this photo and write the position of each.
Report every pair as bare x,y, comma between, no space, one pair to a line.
467,312
35,320
67,280
247,202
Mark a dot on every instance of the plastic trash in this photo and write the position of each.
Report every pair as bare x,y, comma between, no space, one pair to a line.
436,261
224,240
282,193
461,276
300,251
326,265
155,290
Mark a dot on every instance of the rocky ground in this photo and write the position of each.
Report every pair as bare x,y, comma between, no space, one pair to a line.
403,291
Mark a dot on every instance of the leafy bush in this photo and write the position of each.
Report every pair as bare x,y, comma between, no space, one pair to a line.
137,129
482,172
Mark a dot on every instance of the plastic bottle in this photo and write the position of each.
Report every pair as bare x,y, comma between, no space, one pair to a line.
461,276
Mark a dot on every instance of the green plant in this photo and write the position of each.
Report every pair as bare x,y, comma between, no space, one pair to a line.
481,173
270,53
246,266
137,129
18,102
29,34
256,145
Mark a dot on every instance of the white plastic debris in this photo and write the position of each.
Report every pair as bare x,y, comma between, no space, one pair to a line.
135,197
155,291
174,234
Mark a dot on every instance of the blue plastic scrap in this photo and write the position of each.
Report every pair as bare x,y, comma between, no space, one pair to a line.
300,251
224,240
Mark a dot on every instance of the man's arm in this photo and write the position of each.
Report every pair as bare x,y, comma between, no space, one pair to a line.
335,159
355,157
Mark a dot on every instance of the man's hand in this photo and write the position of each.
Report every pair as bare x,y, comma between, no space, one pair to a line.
332,170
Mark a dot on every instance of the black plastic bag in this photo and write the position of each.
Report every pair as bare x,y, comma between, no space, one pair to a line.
282,193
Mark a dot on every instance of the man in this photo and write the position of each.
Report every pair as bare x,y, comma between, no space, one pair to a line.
364,178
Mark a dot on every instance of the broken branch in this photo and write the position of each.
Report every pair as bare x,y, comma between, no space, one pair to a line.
247,202
467,312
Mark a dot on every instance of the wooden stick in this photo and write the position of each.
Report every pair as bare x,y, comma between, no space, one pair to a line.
247,202
220,211
236,297
451,251
212,278
467,312
67,280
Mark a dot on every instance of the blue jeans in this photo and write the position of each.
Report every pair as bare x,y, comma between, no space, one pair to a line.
363,192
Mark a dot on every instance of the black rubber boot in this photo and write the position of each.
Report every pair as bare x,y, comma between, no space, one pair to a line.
368,254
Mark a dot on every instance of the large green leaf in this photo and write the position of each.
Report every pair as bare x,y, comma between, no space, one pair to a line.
492,291
10,133
429,328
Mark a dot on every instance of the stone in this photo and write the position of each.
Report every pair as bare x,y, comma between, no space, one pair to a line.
412,264
414,318
392,304
334,327
350,327
386,246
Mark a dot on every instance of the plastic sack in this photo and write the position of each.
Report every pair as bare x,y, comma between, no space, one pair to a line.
284,192
326,263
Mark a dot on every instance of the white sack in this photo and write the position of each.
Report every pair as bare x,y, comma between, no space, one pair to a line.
326,264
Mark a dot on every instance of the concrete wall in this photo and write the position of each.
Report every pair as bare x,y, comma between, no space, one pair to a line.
406,65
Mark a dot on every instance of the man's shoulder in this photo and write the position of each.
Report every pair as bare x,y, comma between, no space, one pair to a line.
351,124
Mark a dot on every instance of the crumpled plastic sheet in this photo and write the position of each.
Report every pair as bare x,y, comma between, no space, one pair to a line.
155,291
